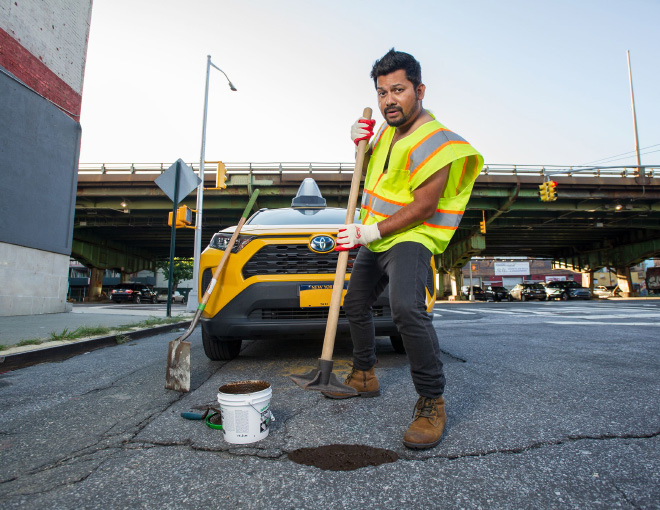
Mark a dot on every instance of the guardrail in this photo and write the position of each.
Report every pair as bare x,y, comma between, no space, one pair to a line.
319,168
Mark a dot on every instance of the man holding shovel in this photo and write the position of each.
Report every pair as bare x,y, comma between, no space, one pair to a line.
419,176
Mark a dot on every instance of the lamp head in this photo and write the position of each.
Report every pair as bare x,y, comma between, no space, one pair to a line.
231,86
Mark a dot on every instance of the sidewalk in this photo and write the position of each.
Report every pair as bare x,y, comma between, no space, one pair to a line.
24,327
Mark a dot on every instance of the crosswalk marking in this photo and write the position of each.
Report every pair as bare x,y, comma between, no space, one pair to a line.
602,323
453,311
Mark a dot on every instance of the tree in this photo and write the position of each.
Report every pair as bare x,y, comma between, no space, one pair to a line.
183,270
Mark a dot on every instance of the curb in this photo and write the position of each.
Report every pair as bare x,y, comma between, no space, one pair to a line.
62,352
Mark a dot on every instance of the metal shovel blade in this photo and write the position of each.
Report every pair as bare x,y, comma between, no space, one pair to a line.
322,379
178,366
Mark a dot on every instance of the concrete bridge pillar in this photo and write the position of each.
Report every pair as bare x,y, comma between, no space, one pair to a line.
588,280
624,281
95,284
456,277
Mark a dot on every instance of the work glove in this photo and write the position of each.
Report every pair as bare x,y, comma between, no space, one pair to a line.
356,234
363,129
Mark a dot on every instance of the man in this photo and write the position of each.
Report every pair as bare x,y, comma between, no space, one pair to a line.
418,181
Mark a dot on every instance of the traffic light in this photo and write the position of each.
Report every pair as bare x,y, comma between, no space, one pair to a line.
482,223
543,192
183,217
221,178
552,191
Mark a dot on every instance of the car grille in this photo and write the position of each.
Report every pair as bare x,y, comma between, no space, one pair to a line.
311,313
274,259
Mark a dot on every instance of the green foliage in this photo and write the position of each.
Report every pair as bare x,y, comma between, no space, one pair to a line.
64,335
183,270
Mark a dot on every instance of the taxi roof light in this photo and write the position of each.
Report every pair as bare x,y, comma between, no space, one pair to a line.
308,195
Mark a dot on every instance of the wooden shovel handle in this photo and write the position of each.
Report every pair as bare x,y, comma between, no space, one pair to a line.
340,275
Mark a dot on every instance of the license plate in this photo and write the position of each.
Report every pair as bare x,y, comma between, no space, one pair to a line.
318,294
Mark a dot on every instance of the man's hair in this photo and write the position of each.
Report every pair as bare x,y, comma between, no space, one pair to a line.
395,60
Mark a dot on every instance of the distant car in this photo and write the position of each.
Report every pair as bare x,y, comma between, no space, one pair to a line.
177,297
478,292
566,290
602,291
135,292
495,293
528,291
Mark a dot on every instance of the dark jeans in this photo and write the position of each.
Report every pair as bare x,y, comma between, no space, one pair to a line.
405,267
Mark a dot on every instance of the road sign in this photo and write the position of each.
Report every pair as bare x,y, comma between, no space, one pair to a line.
188,181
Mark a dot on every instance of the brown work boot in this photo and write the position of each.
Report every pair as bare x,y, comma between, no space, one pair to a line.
365,382
428,423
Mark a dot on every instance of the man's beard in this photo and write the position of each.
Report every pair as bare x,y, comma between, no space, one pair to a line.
404,118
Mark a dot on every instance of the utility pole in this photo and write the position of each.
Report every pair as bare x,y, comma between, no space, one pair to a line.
640,171
193,296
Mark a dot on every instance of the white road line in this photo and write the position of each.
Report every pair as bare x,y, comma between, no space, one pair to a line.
595,323
452,311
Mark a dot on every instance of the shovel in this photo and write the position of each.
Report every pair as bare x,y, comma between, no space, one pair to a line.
177,377
322,378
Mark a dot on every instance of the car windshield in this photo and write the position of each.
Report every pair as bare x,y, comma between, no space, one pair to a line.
303,216
534,286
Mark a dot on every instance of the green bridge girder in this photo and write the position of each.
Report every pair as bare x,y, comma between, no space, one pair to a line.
583,228
103,254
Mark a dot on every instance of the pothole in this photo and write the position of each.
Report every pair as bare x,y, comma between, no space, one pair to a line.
342,457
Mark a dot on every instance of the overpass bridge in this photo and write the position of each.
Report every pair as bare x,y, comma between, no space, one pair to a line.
603,217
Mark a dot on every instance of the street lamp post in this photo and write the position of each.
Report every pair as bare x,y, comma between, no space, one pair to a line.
193,296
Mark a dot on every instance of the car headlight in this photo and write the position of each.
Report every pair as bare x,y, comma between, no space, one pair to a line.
220,241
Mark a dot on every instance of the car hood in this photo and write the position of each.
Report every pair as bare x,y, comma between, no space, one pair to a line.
294,229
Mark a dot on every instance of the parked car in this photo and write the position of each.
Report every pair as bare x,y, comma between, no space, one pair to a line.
135,292
495,293
565,290
477,291
528,291
603,291
278,280
177,297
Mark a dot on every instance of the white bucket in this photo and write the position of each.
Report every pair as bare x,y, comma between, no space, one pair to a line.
245,407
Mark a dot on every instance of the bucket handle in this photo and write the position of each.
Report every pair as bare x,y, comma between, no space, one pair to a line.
251,404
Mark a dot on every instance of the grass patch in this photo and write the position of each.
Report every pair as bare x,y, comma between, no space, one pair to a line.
157,321
64,335
31,341
91,331
122,339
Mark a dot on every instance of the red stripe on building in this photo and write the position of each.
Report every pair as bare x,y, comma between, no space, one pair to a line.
36,75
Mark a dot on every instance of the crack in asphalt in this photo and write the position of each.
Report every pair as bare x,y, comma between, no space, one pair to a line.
539,445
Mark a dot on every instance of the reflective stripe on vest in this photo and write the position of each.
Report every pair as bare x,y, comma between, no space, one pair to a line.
429,147
441,219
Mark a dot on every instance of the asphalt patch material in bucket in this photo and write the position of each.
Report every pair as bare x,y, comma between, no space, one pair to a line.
342,457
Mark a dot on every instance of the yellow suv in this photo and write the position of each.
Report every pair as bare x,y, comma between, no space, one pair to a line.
278,280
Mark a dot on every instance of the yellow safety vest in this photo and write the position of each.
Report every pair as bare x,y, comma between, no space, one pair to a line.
413,160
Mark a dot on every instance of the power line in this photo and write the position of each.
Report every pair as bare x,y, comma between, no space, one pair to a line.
622,154
641,154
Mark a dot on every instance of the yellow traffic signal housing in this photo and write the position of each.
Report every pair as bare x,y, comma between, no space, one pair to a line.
221,177
543,192
552,191
183,217
482,223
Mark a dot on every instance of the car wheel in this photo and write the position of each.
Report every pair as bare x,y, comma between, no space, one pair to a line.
153,300
184,301
564,297
218,348
137,300
523,298
397,344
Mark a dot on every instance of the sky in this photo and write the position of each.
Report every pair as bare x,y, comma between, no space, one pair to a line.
541,83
